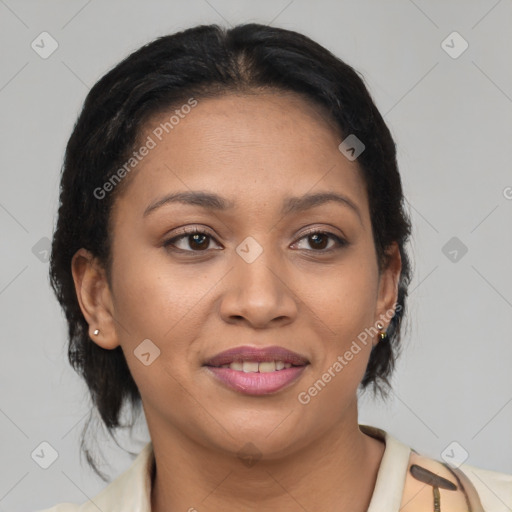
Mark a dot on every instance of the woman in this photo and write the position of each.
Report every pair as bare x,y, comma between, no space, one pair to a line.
230,254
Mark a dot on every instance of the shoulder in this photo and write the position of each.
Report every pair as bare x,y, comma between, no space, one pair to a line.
430,482
494,488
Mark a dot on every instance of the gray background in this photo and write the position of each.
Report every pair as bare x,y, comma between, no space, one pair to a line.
451,120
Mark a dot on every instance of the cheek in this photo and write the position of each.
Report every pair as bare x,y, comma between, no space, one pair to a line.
343,301
156,301
155,298
343,298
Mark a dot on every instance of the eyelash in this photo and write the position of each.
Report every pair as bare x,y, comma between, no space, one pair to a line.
342,243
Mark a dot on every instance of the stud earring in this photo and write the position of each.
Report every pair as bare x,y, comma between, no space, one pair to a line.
96,332
383,335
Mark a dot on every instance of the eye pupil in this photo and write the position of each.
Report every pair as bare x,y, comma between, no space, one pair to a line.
315,237
196,236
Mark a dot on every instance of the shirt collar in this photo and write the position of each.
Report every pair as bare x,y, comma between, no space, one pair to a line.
134,485
389,487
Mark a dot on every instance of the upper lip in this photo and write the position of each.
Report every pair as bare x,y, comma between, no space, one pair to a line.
248,353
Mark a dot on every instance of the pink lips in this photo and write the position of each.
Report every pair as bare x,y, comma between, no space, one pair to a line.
256,383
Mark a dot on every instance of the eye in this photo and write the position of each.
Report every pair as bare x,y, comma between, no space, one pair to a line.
198,240
318,239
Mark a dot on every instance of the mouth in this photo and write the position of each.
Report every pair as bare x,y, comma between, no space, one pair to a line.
254,359
257,371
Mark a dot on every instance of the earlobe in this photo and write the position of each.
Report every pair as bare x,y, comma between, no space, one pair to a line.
94,297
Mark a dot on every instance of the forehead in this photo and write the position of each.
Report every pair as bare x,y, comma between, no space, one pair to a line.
253,149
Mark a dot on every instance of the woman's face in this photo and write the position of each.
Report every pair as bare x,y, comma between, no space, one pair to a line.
253,277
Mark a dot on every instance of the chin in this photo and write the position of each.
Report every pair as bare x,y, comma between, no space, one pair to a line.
273,435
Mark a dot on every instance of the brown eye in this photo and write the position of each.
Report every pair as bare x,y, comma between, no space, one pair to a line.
199,241
194,241
318,240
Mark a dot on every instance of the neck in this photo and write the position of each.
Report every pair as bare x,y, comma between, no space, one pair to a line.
336,471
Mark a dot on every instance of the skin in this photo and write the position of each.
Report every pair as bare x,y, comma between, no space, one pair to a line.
193,305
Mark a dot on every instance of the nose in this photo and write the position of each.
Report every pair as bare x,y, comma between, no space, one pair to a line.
259,293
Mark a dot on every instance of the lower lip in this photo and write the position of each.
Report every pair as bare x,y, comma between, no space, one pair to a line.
256,383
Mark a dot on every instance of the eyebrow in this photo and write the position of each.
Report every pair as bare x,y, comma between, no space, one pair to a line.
210,201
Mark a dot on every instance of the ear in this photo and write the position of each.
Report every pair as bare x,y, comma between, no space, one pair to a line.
94,297
388,287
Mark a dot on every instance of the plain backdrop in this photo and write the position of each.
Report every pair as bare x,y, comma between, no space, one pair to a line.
449,110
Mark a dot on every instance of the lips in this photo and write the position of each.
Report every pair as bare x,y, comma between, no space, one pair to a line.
257,371
266,354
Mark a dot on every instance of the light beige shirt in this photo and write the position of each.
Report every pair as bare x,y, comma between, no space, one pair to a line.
395,489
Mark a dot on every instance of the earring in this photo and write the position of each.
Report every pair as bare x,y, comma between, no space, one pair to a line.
96,332
383,335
